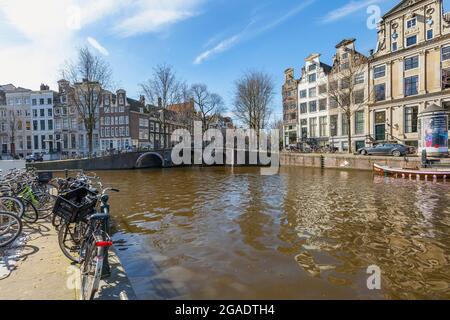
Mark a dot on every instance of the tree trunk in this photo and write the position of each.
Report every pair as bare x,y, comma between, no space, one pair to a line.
90,142
349,133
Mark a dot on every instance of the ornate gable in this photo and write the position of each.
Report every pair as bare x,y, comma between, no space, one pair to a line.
401,6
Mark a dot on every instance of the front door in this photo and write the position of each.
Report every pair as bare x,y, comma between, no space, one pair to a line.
380,125
304,134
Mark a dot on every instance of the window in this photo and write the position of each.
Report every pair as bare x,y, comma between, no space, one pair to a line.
312,78
359,122
430,34
303,93
380,92
446,78
41,101
312,67
50,125
333,125
49,101
412,63
34,102
42,125
359,78
323,126
411,23
323,104
333,85
312,127
49,112
379,72
394,46
312,92
446,53
312,106
36,142
411,85
358,96
43,141
344,124
42,112
345,65
345,56
345,84
333,103
410,41
323,89
411,119
35,125
35,113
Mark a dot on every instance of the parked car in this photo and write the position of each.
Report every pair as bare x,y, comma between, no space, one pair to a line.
387,149
34,158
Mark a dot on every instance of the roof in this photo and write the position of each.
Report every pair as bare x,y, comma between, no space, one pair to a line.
345,42
7,87
135,105
433,108
181,107
327,68
401,6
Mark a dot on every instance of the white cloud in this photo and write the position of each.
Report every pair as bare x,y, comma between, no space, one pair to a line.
251,30
36,37
221,47
154,15
97,46
348,9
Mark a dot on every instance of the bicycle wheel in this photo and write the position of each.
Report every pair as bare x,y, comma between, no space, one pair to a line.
44,205
31,213
70,236
91,270
10,228
13,205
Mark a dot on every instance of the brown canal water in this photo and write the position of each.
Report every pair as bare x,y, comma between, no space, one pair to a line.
214,233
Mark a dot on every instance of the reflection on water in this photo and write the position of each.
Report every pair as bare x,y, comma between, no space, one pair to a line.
305,233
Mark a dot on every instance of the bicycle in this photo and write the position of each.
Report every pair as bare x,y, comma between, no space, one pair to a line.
10,228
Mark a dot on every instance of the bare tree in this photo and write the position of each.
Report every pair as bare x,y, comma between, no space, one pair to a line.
89,75
346,88
253,96
12,123
164,89
209,105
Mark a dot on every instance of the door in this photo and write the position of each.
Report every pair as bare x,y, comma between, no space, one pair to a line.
304,134
380,125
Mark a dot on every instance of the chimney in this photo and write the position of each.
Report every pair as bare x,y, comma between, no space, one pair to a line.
159,102
44,87
142,100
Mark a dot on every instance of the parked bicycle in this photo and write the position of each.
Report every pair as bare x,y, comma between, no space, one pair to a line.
83,232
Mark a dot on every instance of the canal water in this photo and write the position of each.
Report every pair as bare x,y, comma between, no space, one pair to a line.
218,233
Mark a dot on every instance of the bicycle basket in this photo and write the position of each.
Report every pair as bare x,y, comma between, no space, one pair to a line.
45,177
75,205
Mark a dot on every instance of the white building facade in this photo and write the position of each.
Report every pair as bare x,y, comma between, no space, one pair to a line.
313,120
42,108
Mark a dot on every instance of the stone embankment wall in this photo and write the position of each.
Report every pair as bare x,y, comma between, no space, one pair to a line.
344,161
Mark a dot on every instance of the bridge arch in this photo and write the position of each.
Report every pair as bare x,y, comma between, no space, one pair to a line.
150,160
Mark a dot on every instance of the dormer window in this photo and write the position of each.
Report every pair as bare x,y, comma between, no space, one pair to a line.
120,99
312,67
411,23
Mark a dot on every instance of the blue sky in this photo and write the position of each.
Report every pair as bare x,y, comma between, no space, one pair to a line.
208,41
